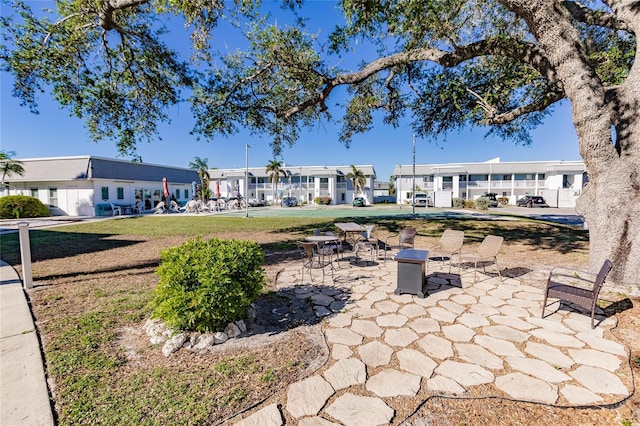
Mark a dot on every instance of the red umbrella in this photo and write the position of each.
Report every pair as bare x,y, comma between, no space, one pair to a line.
218,188
165,187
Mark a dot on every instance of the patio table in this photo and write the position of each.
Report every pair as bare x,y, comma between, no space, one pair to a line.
349,227
325,239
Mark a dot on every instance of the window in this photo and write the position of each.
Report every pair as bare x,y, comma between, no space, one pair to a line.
343,197
447,182
463,178
177,193
120,191
427,179
341,179
105,193
53,196
186,193
478,177
34,192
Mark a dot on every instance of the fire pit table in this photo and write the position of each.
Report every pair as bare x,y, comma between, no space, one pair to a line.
412,266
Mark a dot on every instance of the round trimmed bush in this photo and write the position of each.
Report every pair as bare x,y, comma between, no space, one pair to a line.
458,203
482,203
204,285
21,206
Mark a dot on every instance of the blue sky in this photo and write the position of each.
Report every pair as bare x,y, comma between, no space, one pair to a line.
54,133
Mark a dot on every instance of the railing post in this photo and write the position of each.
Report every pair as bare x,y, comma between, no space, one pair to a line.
25,254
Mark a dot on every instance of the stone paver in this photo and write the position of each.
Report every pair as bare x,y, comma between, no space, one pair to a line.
464,373
526,388
391,320
343,336
475,354
268,416
436,346
498,346
307,397
400,337
595,358
537,368
346,373
375,354
424,325
458,333
393,383
415,362
558,339
366,328
579,396
353,409
506,333
462,334
552,355
445,385
598,380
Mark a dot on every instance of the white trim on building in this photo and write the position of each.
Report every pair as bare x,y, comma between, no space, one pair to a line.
559,182
306,183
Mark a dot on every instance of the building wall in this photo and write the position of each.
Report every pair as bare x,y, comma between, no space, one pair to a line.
75,184
511,180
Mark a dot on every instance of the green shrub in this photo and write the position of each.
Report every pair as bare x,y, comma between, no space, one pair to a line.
21,206
469,204
458,203
322,200
204,285
503,201
482,203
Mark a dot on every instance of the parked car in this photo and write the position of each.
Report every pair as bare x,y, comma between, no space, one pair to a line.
359,202
56,211
289,202
257,203
532,201
422,200
491,196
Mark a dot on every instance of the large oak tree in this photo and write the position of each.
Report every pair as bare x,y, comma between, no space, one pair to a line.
445,64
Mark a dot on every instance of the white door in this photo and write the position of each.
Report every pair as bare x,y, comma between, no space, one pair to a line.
72,202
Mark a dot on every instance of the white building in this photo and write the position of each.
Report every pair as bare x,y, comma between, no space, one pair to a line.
306,183
86,185
559,182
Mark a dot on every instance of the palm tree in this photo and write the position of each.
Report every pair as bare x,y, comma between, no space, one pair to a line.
202,168
358,179
274,168
9,166
392,186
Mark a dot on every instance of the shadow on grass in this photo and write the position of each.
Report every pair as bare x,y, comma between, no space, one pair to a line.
55,244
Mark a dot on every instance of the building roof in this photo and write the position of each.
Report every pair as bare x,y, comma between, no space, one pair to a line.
89,167
291,170
493,166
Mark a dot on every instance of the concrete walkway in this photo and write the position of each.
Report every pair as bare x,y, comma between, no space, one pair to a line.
24,398
387,350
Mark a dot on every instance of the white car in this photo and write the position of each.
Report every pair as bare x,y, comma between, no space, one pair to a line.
422,199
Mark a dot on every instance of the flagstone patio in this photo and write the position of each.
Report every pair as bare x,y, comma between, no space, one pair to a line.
464,339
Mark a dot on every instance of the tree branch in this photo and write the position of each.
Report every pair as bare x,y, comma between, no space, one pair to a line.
503,118
581,13
523,51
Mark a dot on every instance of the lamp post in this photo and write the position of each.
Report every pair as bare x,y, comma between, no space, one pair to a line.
246,180
413,189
